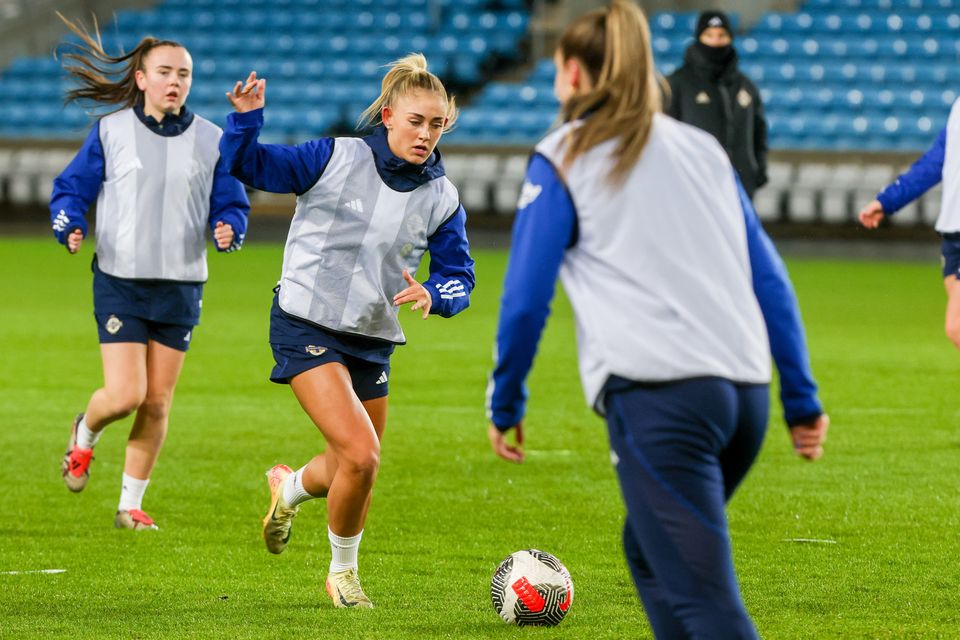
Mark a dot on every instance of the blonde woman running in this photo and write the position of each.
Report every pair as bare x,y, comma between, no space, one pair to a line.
367,210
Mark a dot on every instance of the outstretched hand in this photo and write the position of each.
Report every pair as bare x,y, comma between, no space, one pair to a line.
500,445
808,438
74,240
871,215
415,293
249,95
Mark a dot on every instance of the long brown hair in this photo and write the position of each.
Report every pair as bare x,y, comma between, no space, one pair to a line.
613,45
101,77
405,75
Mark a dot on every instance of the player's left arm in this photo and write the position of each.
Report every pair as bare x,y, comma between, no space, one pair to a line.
452,276
229,210
788,344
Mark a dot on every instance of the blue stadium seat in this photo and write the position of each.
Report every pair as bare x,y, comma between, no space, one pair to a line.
772,23
949,22
533,124
35,69
466,69
667,67
668,21
755,71
832,74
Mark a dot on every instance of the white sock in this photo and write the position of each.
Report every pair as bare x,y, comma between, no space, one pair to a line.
131,495
293,491
86,439
343,551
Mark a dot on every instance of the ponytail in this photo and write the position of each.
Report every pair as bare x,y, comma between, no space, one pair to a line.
103,78
613,44
405,75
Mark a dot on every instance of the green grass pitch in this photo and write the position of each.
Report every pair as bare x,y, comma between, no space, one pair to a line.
445,511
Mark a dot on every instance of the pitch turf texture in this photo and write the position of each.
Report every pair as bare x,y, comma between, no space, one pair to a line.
445,511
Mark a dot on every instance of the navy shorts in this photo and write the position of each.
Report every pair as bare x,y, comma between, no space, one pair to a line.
370,379
950,254
114,327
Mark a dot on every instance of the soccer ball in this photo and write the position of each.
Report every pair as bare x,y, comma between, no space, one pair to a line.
531,587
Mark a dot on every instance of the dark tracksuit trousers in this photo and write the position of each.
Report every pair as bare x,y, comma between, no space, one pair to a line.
682,448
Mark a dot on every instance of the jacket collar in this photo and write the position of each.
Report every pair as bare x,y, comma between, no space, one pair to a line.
399,174
171,125
723,69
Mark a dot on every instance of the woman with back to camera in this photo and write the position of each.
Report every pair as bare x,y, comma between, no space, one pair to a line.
154,169
367,210
671,278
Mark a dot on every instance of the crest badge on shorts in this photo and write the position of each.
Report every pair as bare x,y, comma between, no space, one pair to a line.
315,350
744,98
113,325
703,98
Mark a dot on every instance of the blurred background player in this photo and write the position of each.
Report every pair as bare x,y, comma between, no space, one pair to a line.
672,344
367,209
710,92
936,165
154,169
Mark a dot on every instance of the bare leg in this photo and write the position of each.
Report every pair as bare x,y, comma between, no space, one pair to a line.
952,323
150,425
322,468
124,384
327,395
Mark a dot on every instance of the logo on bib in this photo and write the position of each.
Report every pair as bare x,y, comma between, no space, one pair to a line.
744,98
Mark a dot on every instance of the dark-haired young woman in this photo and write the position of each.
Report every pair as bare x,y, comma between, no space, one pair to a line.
153,168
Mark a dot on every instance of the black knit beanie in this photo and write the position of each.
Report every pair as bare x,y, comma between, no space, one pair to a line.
709,19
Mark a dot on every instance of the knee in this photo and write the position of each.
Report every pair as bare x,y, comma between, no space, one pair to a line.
123,402
155,408
363,463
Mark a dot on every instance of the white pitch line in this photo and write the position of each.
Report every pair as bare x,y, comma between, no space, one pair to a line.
17,573
550,452
809,540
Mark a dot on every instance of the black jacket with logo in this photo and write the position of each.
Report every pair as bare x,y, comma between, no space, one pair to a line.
715,96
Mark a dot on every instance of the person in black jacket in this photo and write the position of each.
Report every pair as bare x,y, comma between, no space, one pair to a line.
711,93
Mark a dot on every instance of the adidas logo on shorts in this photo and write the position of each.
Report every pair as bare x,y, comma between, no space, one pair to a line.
383,378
